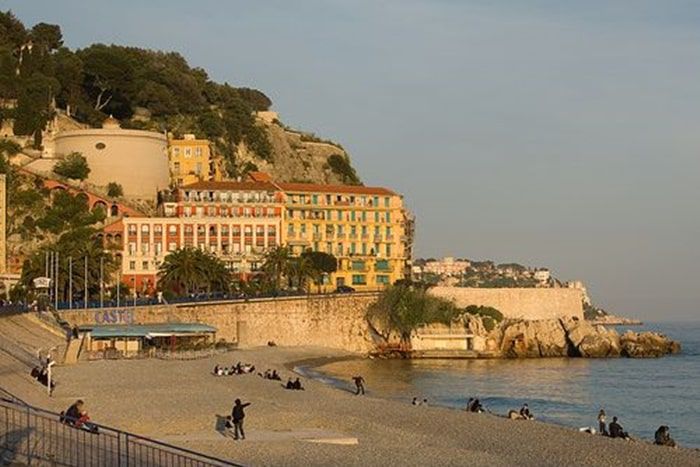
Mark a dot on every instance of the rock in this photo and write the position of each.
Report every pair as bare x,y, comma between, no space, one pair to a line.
647,344
524,339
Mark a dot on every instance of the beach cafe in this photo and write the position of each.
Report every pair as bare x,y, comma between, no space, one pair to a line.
132,339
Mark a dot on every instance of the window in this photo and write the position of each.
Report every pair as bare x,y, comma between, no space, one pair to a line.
132,229
386,202
364,248
188,152
159,248
359,279
388,217
382,265
100,146
172,229
145,229
388,250
382,280
358,265
144,265
198,152
176,151
132,265
145,248
132,248
376,216
176,167
198,169
172,246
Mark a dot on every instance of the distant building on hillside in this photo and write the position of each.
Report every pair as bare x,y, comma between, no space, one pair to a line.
542,275
190,161
447,266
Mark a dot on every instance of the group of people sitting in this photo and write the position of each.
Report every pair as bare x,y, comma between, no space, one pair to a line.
41,374
237,369
662,437
77,417
294,385
271,374
415,401
474,405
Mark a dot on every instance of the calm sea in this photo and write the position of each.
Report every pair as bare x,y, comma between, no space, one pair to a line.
643,393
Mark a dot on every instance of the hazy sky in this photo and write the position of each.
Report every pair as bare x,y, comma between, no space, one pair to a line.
554,133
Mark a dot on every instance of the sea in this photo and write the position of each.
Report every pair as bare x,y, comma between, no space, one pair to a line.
642,393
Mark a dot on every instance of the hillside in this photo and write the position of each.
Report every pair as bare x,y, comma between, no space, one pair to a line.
154,90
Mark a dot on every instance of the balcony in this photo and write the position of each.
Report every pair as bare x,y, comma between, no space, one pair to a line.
317,236
377,238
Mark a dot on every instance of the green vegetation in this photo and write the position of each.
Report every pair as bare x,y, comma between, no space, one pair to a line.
102,80
281,270
591,312
74,245
73,166
68,212
114,190
192,270
489,315
340,165
403,309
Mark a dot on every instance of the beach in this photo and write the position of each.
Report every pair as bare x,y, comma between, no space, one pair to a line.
181,402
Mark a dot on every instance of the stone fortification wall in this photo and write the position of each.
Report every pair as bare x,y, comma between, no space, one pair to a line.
138,160
328,321
519,303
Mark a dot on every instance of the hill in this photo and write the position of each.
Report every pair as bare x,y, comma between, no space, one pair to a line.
154,90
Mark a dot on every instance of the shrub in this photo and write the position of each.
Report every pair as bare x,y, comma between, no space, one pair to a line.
74,166
114,190
490,315
341,166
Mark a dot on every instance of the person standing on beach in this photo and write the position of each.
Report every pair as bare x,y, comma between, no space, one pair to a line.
601,423
237,416
359,384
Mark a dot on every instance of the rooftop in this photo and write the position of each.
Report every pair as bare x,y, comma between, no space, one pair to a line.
231,186
147,330
349,189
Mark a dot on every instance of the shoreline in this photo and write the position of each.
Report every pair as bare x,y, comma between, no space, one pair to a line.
182,403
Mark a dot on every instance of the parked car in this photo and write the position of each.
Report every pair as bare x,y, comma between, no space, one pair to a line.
344,289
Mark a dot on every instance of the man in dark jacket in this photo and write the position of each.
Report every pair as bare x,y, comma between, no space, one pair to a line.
616,430
359,384
237,416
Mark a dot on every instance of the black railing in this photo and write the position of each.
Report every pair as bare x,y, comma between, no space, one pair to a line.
35,436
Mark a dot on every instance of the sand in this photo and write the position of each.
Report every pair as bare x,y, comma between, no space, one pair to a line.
182,403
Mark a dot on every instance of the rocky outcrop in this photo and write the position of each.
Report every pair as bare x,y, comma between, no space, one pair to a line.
647,344
591,341
527,339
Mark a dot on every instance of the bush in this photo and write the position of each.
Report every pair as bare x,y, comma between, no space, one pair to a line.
74,166
489,315
114,190
341,166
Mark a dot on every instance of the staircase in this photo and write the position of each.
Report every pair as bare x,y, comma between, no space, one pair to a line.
73,350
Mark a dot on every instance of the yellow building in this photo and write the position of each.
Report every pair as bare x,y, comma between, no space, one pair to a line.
365,228
190,161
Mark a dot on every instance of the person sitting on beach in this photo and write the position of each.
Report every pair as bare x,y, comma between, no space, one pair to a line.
662,437
275,376
290,384
415,401
76,417
297,385
525,413
601,423
476,406
615,430
470,403
359,384
424,402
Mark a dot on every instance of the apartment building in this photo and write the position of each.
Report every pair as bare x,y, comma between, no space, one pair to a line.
190,160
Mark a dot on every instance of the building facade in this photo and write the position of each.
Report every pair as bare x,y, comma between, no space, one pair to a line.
190,160
236,221
447,266
365,228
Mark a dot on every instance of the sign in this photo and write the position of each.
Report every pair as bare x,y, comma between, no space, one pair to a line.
42,283
114,317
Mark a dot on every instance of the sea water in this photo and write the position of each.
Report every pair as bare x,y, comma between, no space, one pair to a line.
642,393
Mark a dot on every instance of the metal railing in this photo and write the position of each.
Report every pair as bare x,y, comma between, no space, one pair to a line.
38,437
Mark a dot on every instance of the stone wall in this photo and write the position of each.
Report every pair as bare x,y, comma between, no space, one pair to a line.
336,321
520,303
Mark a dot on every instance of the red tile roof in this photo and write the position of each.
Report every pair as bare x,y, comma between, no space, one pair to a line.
232,186
349,189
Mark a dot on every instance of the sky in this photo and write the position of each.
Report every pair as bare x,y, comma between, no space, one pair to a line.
554,133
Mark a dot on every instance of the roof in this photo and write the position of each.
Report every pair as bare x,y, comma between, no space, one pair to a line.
146,330
231,186
351,189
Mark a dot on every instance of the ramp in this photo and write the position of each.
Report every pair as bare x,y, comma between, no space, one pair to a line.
73,350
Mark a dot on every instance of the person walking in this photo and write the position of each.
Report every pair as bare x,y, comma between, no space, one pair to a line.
359,385
237,416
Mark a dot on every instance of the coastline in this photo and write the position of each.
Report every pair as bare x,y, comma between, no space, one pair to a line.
181,402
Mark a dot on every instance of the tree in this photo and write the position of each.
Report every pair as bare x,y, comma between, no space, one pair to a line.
322,264
74,166
47,36
69,212
276,265
403,309
191,270
76,244
114,190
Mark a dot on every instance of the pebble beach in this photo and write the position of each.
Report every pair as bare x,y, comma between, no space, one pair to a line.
182,403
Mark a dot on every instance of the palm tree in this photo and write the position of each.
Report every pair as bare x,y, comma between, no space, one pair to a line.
301,271
182,270
276,265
